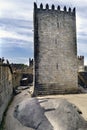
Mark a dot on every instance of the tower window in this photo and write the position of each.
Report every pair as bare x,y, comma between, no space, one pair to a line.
57,66
57,25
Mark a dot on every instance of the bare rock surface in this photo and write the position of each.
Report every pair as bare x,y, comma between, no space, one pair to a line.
30,114
49,114
11,123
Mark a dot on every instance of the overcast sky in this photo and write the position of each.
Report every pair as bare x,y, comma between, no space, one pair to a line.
16,27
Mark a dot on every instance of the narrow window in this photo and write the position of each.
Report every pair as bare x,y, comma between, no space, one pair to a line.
57,66
57,25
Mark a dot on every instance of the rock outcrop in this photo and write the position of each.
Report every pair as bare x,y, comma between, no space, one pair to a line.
49,114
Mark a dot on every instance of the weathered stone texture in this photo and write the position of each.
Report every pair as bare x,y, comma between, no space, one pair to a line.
16,79
49,114
81,63
55,51
5,87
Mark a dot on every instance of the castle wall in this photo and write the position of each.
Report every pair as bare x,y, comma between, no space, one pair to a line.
81,63
55,50
6,87
17,76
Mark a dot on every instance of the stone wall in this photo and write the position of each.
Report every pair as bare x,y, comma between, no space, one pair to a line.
6,88
55,50
81,63
17,76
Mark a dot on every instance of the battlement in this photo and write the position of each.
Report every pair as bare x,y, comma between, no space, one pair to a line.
2,61
53,8
31,62
80,57
5,63
80,63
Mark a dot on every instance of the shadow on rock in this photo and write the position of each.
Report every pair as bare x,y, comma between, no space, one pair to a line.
50,114
31,114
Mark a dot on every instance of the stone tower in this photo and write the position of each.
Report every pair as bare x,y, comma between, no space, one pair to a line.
55,50
80,63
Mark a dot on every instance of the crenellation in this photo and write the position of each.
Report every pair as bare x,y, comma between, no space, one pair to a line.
0,60
41,6
47,6
31,62
7,62
80,63
53,7
65,9
80,57
74,10
58,8
69,10
3,59
35,5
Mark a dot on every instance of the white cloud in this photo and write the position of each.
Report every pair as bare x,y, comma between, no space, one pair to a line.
82,48
6,5
6,34
23,10
16,9
21,41
24,15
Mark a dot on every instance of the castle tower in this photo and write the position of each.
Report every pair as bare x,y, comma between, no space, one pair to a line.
55,50
80,63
